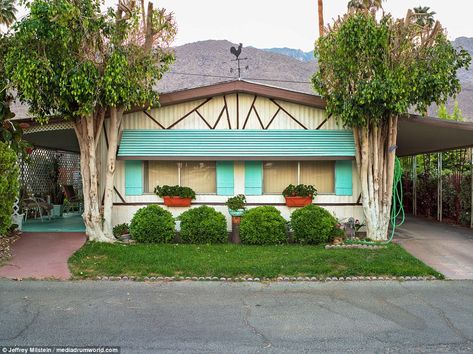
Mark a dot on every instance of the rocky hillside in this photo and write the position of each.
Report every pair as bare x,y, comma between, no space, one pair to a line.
294,53
207,62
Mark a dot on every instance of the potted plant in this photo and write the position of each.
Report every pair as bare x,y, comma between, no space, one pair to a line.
122,232
236,205
300,195
175,196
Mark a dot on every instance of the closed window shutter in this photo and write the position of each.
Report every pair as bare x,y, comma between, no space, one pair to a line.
343,177
253,177
225,178
133,177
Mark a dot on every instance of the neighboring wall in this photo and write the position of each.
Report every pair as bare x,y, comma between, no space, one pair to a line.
224,113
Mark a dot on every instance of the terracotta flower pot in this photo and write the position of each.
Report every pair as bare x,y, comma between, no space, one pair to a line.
177,201
298,201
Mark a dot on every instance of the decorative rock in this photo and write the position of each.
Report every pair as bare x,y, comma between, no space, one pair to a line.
223,279
256,279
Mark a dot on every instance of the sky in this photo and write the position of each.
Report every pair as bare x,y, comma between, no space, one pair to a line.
283,23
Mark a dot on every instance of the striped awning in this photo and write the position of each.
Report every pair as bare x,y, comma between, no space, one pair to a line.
236,144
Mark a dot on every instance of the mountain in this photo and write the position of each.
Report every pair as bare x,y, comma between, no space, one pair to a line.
294,53
208,62
465,97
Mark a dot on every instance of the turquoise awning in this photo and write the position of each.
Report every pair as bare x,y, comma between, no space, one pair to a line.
236,144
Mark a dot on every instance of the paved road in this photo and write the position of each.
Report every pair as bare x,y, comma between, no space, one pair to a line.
446,248
190,317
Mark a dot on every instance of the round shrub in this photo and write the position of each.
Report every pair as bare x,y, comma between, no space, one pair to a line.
152,224
203,225
263,225
312,225
9,186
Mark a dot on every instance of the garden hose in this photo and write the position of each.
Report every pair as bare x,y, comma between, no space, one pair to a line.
397,208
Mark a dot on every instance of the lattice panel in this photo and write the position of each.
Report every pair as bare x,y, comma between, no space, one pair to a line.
49,127
36,176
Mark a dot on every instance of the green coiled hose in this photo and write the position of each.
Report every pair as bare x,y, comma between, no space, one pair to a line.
397,208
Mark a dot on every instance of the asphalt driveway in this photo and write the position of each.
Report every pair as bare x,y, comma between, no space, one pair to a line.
202,317
446,248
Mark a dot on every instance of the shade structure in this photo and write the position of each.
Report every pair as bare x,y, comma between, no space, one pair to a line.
236,144
422,135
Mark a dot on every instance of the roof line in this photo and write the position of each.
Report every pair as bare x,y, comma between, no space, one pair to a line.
237,86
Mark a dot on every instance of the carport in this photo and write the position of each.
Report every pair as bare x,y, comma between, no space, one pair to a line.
421,135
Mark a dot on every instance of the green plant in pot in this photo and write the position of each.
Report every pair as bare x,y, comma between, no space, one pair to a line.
236,205
175,196
300,195
122,232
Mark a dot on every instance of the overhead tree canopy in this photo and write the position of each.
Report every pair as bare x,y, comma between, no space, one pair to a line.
69,59
373,69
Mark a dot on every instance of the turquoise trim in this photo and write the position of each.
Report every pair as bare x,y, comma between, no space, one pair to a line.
133,177
253,177
343,177
231,144
225,177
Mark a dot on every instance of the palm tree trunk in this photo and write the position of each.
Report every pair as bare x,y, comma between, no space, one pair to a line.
321,18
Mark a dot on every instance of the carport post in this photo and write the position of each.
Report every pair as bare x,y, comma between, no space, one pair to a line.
471,171
439,187
414,185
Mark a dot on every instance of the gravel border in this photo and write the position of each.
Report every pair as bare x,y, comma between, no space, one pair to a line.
361,246
278,279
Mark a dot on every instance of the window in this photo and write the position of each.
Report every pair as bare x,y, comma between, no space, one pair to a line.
321,174
277,175
200,176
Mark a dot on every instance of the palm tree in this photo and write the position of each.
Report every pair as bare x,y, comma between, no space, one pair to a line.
425,17
321,18
7,12
365,4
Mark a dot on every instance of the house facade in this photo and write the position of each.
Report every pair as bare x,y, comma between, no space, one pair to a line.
233,138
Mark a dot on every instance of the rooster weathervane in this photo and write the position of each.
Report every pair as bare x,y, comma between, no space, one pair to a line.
236,52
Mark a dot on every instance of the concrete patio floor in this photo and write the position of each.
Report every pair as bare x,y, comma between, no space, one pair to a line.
446,248
42,255
68,223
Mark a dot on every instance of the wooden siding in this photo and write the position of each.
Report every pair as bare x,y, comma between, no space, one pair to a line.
268,112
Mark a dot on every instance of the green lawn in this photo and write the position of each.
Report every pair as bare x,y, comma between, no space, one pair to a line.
99,259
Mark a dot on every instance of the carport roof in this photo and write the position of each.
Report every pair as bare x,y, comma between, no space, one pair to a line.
421,135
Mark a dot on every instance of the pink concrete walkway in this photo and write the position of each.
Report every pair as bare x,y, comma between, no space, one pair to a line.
42,255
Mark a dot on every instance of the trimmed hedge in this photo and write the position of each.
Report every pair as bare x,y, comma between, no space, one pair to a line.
263,225
9,186
152,224
203,225
313,225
